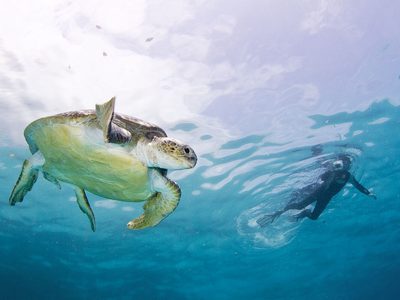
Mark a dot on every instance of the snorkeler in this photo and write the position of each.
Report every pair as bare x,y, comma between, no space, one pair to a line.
321,192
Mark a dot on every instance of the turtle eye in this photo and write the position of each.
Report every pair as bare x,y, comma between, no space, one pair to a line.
186,149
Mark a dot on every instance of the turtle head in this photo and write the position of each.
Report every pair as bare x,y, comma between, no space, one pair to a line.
168,153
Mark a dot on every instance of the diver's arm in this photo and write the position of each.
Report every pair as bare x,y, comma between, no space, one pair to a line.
359,187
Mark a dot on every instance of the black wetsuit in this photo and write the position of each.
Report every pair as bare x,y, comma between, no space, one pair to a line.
329,184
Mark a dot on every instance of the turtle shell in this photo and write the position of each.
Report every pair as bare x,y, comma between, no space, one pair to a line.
75,152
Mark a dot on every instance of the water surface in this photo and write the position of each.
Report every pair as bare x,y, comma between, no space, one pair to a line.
265,93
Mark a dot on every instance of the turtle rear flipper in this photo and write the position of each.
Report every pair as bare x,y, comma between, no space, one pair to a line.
161,204
85,206
111,132
27,178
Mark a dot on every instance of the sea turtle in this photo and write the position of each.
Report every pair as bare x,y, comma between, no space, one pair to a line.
108,154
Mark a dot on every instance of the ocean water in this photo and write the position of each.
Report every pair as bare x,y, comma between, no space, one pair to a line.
208,248
267,95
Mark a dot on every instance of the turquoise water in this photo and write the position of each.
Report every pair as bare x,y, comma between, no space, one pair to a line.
266,92
208,248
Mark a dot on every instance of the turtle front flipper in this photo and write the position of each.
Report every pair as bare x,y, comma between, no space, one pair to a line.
27,178
85,206
161,204
111,132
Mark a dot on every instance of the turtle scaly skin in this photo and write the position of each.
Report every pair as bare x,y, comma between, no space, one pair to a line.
108,154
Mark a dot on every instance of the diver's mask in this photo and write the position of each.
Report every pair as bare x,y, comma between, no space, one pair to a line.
338,165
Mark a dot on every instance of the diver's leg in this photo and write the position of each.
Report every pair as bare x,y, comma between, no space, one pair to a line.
299,204
316,212
319,208
264,220
303,214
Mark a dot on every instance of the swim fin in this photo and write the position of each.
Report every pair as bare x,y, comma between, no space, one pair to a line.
264,220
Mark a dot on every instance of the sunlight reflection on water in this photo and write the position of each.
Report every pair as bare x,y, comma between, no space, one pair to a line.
253,89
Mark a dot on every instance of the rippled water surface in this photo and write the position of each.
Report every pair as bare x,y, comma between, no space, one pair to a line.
266,93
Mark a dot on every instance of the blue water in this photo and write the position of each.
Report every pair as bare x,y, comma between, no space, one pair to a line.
205,249
266,92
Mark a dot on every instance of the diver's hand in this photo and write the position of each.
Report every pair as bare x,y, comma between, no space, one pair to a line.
372,195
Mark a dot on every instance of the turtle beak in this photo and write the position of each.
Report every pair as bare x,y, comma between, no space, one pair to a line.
192,159
190,156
